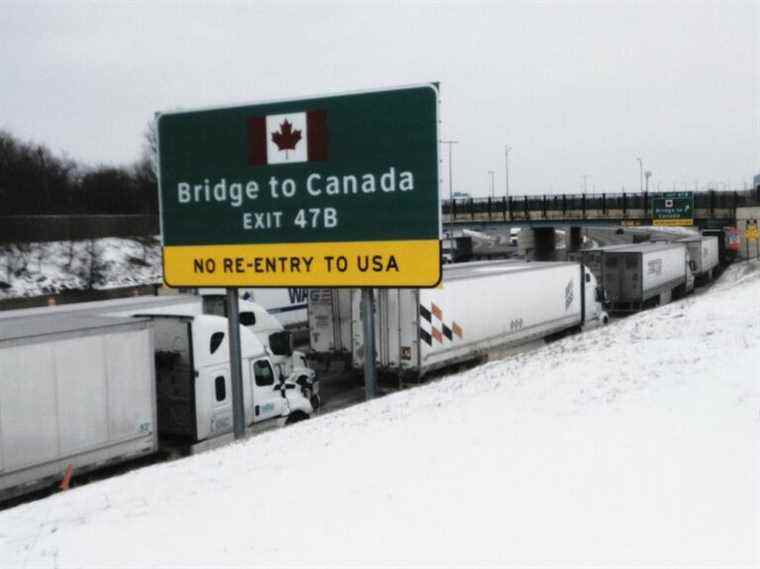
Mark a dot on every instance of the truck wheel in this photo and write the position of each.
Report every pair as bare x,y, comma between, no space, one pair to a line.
315,401
295,417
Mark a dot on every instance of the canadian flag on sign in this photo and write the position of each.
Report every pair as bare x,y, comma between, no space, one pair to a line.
287,138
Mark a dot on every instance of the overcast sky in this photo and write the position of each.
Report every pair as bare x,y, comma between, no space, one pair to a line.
575,89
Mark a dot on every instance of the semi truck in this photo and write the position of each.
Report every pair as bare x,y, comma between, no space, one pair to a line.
644,275
480,310
729,244
86,391
289,362
703,253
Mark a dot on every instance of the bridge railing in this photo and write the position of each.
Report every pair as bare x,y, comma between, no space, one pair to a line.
576,205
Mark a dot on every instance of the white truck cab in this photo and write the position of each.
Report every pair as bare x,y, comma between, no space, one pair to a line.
194,381
271,333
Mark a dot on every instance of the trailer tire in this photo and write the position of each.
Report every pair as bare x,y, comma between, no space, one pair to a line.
295,417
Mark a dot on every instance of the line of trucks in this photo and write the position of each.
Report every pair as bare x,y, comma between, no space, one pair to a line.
99,383
95,384
642,275
483,309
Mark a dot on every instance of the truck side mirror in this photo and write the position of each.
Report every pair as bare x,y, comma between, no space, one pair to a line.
693,266
281,343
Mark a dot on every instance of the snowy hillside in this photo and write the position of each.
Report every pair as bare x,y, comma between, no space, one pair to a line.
631,445
35,269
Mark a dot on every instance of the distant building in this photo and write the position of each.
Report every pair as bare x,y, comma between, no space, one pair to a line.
756,182
461,196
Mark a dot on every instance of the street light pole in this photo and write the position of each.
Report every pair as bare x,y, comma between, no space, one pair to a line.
491,173
506,169
585,183
641,174
451,175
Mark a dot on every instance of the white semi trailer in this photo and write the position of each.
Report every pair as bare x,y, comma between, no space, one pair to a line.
646,274
480,309
74,391
88,391
704,253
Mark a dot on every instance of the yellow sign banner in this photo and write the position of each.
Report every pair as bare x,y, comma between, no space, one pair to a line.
413,263
751,233
673,222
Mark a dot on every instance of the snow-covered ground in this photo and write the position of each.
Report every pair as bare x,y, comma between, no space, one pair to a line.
479,235
675,231
35,269
633,445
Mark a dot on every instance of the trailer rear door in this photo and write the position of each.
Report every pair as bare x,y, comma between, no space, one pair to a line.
330,320
175,378
396,328
613,283
321,325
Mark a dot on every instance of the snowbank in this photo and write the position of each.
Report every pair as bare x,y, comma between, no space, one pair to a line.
35,269
479,235
677,231
631,445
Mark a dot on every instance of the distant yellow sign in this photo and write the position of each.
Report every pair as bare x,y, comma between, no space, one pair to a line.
751,233
356,264
673,222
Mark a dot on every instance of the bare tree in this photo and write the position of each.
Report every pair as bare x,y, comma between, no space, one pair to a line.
5,254
91,270
17,257
70,254
150,146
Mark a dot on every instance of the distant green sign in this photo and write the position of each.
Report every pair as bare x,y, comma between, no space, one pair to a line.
328,191
673,208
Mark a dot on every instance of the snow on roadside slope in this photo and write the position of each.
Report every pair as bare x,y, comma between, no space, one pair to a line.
684,231
35,269
634,444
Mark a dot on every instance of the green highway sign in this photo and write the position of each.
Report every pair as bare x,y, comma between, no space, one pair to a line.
673,208
326,191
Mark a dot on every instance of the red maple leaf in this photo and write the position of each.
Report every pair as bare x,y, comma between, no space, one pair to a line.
287,138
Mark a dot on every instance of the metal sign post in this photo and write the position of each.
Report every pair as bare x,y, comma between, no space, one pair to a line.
236,368
368,319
